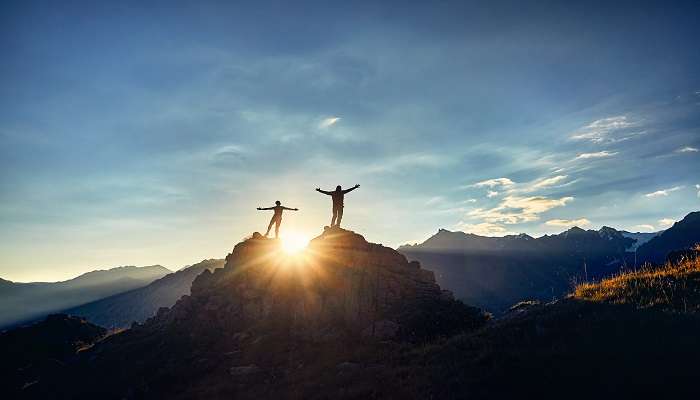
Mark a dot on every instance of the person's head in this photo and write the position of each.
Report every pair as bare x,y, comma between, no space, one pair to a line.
338,188
277,202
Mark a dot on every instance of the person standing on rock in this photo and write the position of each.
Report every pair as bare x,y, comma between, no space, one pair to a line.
276,217
338,196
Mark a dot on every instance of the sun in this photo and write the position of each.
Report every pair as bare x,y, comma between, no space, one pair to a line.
294,242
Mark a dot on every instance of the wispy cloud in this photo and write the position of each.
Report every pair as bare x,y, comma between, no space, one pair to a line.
598,154
229,150
666,222
607,130
493,183
688,149
484,229
663,192
568,222
547,182
515,209
491,193
698,187
328,122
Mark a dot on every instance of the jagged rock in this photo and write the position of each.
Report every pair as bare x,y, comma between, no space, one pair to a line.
340,285
265,313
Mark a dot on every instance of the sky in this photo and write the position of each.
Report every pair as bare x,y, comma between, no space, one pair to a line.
140,134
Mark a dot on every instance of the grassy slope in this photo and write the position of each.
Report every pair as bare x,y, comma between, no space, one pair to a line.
632,335
674,287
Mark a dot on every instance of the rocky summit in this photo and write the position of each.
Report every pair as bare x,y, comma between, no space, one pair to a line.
270,322
340,286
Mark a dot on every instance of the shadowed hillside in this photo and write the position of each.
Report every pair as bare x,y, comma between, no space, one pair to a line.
631,336
23,302
263,323
121,310
350,319
29,353
682,235
496,272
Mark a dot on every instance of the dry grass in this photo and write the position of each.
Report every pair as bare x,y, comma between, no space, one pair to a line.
673,287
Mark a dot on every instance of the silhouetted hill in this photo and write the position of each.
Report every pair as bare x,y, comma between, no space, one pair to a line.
120,310
350,319
496,272
255,327
684,234
23,302
42,349
632,336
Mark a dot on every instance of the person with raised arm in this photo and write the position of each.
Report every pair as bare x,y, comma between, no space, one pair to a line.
338,196
276,217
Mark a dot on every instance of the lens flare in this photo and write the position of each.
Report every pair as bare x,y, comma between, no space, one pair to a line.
294,242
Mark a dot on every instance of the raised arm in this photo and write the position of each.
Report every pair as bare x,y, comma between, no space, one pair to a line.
323,191
290,209
351,189
266,208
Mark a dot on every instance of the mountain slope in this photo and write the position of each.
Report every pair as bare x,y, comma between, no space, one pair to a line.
263,327
21,302
255,327
631,336
120,310
42,349
496,272
639,237
684,234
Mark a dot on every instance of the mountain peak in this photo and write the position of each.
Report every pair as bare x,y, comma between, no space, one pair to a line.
340,276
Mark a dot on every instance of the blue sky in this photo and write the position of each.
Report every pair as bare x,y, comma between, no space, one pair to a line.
136,134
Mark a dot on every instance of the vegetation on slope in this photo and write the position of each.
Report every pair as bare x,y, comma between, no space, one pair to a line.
675,286
634,335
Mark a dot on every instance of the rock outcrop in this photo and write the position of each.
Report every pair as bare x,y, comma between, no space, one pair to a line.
341,285
275,325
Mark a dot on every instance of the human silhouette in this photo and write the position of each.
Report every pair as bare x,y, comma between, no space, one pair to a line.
338,196
276,217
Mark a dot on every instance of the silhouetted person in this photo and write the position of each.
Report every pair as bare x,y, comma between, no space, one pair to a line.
276,217
338,196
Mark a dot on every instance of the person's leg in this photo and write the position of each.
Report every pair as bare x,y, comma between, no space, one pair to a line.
340,215
335,214
272,221
277,227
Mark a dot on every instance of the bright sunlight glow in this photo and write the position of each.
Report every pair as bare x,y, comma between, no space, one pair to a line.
294,242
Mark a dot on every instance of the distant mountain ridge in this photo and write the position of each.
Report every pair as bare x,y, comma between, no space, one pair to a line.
121,310
496,272
682,235
22,302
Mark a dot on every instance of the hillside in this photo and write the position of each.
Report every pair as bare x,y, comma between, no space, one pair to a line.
260,325
682,235
22,302
496,272
631,336
42,349
121,310
350,319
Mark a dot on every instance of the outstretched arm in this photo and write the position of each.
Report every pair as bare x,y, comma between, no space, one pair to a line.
290,209
351,189
265,208
322,191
